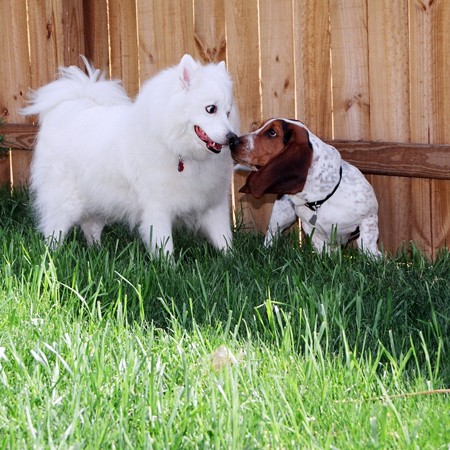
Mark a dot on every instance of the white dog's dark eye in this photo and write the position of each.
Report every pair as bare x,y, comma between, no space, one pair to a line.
271,133
211,109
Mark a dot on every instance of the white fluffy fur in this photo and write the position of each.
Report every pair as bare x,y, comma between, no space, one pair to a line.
101,157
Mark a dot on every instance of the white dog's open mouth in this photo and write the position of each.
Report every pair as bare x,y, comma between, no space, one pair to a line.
210,144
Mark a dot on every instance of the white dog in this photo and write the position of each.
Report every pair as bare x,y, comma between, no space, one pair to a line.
151,163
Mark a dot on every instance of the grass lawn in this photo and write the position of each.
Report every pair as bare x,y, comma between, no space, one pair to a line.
107,348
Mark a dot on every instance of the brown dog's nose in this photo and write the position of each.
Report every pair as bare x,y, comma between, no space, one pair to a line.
233,140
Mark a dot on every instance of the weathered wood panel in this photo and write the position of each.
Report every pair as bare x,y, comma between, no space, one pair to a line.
311,24
166,33
14,66
15,77
350,69
97,37
123,43
244,64
209,30
277,84
389,111
397,159
440,44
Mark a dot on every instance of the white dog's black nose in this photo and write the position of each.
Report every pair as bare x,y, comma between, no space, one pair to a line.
233,140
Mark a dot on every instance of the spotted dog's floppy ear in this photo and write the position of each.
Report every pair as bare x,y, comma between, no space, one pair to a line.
287,172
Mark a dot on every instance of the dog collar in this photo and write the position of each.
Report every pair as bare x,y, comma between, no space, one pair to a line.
314,206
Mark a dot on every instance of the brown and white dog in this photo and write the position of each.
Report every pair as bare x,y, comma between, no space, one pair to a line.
332,198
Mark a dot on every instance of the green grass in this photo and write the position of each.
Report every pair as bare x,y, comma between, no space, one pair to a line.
107,348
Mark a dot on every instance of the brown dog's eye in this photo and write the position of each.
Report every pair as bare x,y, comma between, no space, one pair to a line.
271,133
211,109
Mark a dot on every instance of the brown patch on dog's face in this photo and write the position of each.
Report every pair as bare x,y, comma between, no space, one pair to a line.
259,147
282,154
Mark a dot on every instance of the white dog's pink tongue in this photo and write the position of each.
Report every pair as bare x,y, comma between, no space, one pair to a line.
214,146
210,144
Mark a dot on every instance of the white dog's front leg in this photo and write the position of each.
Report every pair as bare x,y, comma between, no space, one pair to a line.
215,224
283,216
156,233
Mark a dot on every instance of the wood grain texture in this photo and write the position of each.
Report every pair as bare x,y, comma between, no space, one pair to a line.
56,38
243,59
397,159
19,136
277,81
46,41
74,31
14,66
96,36
440,125
350,69
123,43
209,30
5,169
311,26
20,167
389,112
421,95
166,33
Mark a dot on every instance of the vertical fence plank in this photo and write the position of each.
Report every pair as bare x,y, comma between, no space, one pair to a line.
389,111
277,59
14,67
350,70
243,63
209,30
5,162
123,40
96,36
277,80
73,25
46,41
350,67
56,38
421,79
14,82
14,70
440,189
313,66
166,33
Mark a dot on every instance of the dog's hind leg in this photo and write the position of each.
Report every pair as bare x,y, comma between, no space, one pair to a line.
92,229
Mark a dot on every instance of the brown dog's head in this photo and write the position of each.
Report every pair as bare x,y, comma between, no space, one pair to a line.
281,153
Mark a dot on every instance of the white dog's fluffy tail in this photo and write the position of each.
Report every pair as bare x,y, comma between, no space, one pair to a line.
74,84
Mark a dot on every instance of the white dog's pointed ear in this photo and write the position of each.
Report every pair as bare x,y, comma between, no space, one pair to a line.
187,67
222,65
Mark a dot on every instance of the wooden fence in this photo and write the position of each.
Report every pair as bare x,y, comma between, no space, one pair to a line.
370,76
